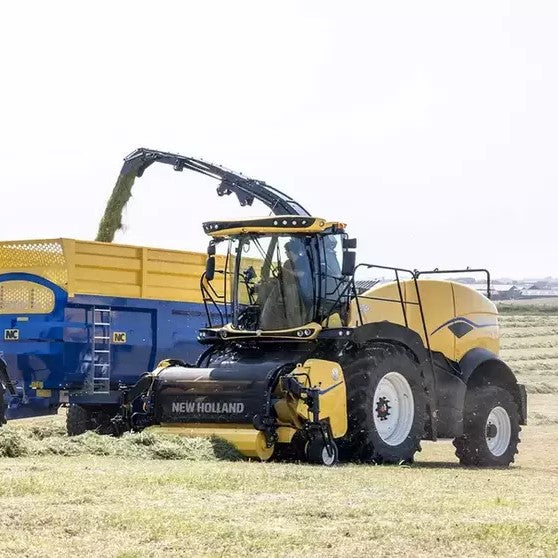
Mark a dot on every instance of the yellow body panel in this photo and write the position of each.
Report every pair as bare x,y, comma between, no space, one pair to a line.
99,268
246,439
285,434
472,306
328,376
457,317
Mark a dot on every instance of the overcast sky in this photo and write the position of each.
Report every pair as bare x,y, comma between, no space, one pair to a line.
431,128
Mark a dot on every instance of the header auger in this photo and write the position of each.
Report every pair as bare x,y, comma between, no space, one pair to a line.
298,363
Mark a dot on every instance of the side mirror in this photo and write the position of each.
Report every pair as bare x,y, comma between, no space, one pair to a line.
210,268
349,243
210,263
349,262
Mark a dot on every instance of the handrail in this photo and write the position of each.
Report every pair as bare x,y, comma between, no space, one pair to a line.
451,271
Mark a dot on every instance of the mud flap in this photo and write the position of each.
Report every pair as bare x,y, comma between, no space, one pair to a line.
522,404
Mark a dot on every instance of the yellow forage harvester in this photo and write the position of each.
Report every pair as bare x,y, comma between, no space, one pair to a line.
299,363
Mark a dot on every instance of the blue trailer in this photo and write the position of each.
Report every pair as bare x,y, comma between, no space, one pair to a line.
78,319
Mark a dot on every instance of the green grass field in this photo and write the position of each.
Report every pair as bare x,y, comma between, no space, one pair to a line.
140,500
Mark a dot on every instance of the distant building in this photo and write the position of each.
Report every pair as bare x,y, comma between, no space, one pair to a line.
539,293
500,292
540,286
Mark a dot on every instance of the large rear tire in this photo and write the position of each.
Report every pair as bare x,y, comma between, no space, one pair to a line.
490,430
386,405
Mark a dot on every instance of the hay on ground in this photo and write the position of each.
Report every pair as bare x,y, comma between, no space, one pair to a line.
51,439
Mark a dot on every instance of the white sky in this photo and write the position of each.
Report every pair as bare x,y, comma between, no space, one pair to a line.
431,128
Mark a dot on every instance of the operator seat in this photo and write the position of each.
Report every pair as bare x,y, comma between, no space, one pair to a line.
283,305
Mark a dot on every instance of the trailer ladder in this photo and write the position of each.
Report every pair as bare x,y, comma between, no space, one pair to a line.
100,349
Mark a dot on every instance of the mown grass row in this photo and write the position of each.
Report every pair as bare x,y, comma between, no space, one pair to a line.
530,309
526,355
544,367
529,332
540,388
528,319
538,324
530,346
528,343
50,438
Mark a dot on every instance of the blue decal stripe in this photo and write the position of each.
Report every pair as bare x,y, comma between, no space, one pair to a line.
460,319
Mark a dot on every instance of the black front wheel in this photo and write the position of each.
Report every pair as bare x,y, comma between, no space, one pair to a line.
320,453
490,430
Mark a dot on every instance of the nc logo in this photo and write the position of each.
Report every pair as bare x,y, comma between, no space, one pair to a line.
11,335
119,337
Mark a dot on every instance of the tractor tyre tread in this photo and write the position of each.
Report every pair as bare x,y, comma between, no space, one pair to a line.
362,443
471,447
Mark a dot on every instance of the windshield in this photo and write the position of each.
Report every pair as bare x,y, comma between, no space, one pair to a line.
284,282
274,285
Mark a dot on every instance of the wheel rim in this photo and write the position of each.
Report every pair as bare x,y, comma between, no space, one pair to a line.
498,431
326,458
394,408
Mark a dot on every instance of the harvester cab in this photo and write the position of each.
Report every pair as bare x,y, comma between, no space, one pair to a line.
287,278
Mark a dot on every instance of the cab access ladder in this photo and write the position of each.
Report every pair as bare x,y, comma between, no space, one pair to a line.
101,337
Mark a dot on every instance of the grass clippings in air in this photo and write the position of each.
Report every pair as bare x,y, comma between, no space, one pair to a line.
111,222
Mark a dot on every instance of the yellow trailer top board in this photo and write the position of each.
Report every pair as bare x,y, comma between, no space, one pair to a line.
99,268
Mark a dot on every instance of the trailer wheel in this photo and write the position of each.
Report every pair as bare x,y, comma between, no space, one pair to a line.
387,406
317,452
78,420
490,430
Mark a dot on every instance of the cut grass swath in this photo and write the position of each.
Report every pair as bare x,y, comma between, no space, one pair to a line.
51,439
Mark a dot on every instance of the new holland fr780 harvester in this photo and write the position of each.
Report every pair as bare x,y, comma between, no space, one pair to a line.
302,364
